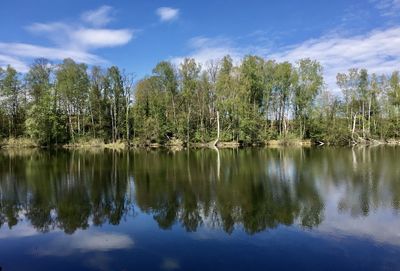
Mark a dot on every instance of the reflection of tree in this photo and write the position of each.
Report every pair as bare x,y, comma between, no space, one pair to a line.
368,177
63,189
39,214
256,189
244,192
73,210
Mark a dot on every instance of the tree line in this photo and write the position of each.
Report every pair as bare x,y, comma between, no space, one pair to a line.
253,101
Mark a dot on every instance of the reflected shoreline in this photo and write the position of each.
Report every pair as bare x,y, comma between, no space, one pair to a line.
254,189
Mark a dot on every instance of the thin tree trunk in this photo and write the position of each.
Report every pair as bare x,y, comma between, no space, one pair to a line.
92,119
112,122
218,128
71,130
369,115
354,126
127,119
188,127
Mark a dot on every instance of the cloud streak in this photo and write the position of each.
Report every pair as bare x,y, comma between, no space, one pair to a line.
14,62
98,17
389,8
378,51
24,50
204,49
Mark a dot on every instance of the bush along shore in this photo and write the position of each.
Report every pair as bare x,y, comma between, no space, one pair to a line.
254,102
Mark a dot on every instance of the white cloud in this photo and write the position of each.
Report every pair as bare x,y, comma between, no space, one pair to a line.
378,51
167,13
204,49
94,38
24,50
14,62
98,17
387,7
75,41
80,37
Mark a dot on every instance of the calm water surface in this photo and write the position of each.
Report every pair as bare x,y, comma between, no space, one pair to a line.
249,209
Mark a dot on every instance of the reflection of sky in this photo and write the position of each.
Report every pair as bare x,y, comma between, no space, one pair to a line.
170,264
86,241
380,225
18,231
98,248
138,236
60,244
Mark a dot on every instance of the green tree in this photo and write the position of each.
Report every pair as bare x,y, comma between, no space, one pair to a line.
42,122
252,88
72,84
167,82
11,101
227,99
114,93
189,72
309,85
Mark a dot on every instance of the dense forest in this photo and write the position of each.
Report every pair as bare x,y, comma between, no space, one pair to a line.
253,101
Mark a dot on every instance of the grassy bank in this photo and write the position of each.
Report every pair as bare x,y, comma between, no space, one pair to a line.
96,143
18,143
289,142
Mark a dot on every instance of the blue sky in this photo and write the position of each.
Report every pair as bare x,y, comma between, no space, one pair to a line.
135,35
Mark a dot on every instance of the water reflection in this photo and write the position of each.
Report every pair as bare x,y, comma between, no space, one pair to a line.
253,189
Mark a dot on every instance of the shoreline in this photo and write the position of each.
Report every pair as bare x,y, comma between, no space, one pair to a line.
24,143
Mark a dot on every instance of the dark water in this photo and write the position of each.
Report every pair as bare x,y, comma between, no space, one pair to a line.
250,209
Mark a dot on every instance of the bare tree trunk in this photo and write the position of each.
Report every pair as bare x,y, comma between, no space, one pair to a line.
115,121
127,120
174,110
188,127
71,130
215,141
112,122
369,115
92,118
79,125
363,118
354,126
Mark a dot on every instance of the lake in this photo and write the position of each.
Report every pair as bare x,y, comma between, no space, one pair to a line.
232,209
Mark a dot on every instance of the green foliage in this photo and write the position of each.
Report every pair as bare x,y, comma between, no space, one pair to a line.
11,99
253,101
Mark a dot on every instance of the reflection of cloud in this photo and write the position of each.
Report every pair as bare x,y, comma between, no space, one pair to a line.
370,227
380,226
99,262
170,264
86,241
18,231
